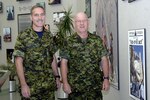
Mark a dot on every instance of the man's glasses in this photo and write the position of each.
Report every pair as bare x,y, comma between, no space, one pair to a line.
81,21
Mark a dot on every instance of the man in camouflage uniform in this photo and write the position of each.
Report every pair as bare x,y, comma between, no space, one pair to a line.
33,54
80,69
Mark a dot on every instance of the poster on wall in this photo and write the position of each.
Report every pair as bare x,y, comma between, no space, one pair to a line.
9,55
7,34
107,29
88,8
10,12
1,7
41,4
58,17
137,64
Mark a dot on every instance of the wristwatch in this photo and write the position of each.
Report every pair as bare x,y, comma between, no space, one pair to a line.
106,78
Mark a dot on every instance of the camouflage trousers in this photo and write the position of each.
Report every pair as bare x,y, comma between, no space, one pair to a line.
39,97
95,95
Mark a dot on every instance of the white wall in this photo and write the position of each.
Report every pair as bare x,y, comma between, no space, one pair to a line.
133,15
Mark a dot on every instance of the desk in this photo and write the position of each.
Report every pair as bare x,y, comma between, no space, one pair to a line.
6,95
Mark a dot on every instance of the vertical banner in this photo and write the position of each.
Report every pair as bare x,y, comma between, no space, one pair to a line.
137,66
107,28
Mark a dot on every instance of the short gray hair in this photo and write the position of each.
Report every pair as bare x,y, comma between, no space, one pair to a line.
36,6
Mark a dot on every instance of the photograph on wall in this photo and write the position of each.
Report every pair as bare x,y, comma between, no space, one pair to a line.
107,29
136,52
10,55
52,2
0,43
88,8
1,7
10,12
23,22
41,4
7,34
57,17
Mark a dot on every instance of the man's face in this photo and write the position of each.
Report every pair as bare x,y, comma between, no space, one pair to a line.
38,17
81,24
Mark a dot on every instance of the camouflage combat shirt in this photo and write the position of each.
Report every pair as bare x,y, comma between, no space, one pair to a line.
37,54
84,74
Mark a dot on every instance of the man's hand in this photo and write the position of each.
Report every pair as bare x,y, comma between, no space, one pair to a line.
25,90
58,83
106,85
67,88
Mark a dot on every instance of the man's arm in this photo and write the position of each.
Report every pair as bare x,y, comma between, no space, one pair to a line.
64,71
20,72
105,68
55,72
55,67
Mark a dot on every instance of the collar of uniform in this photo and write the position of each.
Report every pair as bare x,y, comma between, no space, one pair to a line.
80,40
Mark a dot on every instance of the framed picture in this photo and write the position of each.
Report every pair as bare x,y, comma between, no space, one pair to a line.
137,64
107,29
1,7
88,8
7,34
24,21
57,17
41,4
52,2
10,12
10,55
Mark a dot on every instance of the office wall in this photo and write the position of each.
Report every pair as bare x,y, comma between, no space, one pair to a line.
133,15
